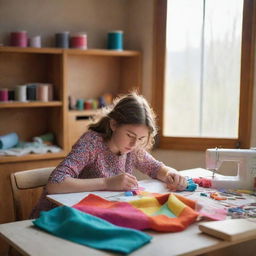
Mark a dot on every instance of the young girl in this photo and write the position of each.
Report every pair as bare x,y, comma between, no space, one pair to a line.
106,155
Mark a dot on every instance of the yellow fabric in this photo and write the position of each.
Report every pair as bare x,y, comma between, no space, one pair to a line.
148,205
175,205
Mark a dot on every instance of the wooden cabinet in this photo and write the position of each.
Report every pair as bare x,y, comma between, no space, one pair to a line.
80,73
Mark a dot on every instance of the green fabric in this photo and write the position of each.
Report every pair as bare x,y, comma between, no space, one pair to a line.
83,228
164,210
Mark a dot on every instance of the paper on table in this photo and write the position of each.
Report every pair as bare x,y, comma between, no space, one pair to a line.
70,199
154,186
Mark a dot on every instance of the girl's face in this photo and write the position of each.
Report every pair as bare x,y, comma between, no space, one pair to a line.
126,138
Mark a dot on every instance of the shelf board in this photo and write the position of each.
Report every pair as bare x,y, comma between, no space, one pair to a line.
31,104
12,49
85,112
70,51
101,52
31,157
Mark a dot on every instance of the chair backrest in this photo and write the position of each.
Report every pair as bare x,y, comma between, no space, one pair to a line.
26,188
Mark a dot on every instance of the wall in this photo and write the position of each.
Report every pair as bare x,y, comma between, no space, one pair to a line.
139,27
97,17
46,17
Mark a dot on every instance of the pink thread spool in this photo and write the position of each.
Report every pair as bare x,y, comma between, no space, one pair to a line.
42,92
50,91
79,41
19,38
4,94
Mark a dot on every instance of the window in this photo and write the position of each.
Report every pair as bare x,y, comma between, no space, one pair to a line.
204,53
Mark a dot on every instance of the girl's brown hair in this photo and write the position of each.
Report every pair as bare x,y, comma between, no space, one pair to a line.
128,109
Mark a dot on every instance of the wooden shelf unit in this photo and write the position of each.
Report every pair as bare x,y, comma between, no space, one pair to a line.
80,73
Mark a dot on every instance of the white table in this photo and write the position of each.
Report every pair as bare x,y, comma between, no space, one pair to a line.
29,240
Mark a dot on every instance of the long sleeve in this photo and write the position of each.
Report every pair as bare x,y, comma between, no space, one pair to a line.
80,156
147,164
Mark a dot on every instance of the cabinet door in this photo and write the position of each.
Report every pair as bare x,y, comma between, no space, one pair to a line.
77,126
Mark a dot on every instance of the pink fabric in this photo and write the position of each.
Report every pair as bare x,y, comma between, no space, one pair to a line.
119,213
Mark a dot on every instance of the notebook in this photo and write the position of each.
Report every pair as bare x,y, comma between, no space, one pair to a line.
231,229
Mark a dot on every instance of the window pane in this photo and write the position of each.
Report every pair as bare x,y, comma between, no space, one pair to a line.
182,75
202,72
221,79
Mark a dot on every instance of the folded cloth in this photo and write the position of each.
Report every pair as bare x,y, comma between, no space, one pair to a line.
160,212
83,228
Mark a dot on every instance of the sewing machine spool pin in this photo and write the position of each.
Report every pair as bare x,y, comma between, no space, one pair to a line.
214,170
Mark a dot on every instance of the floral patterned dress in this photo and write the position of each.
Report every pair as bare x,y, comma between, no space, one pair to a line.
91,158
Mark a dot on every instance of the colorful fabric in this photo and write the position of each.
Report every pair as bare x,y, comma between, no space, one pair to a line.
160,212
82,228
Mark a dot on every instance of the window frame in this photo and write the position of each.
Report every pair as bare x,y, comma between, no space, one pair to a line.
246,84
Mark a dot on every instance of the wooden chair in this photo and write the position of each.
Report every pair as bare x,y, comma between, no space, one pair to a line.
27,188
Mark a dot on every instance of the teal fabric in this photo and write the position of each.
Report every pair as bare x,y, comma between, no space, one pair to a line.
86,229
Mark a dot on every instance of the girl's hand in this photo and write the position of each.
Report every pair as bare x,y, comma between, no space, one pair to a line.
124,181
175,181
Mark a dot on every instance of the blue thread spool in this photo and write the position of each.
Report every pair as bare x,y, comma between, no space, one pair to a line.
128,193
31,92
80,104
115,40
9,140
62,40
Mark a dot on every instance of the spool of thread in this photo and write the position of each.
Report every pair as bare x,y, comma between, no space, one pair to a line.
108,98
31,92
115,40
42,92
19,39
21,93
80,104
79,41
72,102
102,102
4,94
95,104
9,140
88,104
62,40
47,137
11,95
50,92
35,41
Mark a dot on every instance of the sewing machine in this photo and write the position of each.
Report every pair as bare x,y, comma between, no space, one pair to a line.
246,171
